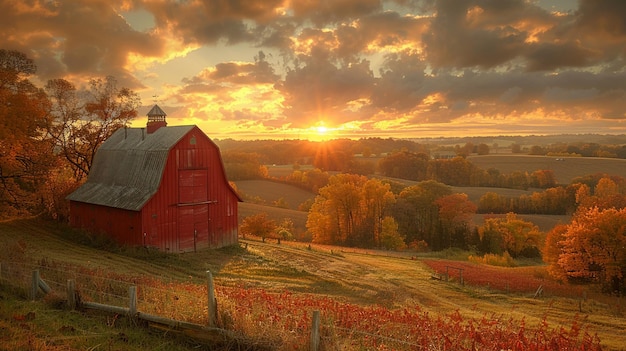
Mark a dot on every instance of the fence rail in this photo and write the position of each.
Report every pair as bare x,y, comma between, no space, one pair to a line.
14,275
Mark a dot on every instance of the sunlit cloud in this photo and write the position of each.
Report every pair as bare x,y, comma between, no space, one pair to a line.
279,68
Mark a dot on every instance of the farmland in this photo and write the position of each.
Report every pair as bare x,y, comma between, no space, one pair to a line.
364,291
565,168
268,291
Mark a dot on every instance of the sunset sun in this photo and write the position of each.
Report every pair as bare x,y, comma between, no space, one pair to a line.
320,131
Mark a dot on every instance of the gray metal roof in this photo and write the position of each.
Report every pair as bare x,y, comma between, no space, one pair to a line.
128,167
156,111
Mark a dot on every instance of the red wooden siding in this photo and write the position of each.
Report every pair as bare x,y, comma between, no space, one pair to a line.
193,207
123,226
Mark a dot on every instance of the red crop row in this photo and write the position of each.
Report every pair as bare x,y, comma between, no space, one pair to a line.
519,279
258,312
286,316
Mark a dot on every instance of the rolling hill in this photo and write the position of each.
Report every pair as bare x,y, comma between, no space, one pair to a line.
362,277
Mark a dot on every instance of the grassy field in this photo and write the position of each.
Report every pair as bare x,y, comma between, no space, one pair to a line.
393,281
270,192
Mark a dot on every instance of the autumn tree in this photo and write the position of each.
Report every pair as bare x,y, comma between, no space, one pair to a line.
591,248
607,193
455,217
330,157
83,120
390,238
510,234
350,211
26,156
258,225
552,250
542,179
405,165
417,214
483,149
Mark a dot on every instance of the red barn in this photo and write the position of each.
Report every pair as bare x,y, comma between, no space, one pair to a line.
161,187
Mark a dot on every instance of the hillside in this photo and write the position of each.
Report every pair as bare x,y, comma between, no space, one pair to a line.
365,278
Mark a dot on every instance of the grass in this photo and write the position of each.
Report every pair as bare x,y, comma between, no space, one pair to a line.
267,280
46,325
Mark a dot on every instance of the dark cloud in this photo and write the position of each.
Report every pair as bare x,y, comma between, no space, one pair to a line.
548,57
259,72
322,12
483,33
77,37
362,61
603,16
196,23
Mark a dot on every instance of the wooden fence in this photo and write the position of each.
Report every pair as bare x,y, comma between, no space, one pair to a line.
206,333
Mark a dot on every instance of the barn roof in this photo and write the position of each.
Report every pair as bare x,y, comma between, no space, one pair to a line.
128,166
156,111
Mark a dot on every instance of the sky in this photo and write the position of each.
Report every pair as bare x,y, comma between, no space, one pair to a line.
319,69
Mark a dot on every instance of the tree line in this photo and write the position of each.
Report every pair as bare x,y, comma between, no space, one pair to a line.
359,211
49,135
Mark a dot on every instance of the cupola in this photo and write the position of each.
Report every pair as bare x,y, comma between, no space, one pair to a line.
156,119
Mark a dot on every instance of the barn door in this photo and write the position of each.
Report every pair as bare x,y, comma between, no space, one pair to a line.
193,218
193,227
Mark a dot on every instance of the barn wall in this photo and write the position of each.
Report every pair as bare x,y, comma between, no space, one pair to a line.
123,226
194,207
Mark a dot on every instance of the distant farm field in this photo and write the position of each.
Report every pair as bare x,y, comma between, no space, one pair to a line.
565,168
270,192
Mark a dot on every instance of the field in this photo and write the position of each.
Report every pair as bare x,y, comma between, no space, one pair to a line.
365,296
565,168
368,299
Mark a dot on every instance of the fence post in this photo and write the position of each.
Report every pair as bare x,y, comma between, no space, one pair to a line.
34,285
212,304
132,301
44,287
71,294
315,331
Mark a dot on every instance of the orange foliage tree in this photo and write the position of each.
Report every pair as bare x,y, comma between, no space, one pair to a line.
455,216
591,248
26,156
258,225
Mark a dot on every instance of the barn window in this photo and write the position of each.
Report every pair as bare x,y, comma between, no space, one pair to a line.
192,141
188,159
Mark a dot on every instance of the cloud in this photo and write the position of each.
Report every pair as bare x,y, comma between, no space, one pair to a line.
367,64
